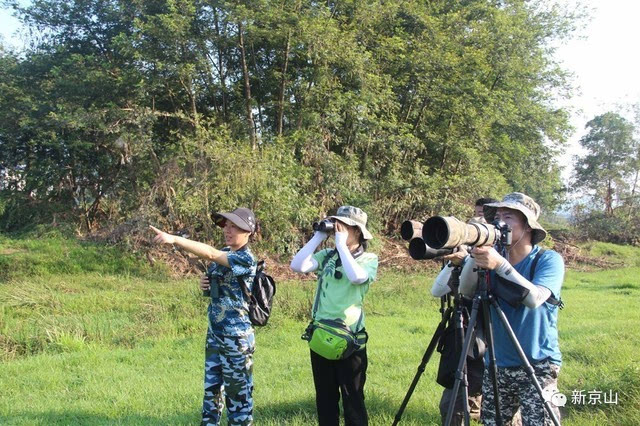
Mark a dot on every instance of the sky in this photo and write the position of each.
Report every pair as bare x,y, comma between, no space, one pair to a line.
605,64
602,57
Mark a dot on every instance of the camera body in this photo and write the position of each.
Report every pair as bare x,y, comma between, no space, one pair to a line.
505,233
325,225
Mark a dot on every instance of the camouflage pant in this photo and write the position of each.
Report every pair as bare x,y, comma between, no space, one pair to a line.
475,372
474,401
520,403
228,371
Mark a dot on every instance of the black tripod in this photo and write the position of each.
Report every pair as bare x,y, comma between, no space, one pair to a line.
458,308
484,296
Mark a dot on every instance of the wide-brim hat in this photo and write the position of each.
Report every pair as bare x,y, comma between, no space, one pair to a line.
529,208
242,217
353,216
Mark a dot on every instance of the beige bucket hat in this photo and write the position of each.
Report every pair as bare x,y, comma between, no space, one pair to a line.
525,205
353,216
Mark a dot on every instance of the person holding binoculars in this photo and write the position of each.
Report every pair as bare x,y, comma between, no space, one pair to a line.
230,337
337,336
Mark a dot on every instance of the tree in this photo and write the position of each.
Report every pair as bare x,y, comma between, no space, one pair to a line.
610,148
406,108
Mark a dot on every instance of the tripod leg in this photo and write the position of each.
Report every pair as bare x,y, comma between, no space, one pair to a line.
465,381
425,359
463,357
493,367
460,401
525,362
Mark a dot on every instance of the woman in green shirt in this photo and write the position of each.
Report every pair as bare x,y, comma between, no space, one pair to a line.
344,276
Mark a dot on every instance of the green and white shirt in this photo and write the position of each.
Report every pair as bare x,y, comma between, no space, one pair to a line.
338,298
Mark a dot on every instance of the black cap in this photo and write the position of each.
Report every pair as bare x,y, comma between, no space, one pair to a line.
241,217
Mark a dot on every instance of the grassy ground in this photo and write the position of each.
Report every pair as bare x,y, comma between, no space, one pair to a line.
90,336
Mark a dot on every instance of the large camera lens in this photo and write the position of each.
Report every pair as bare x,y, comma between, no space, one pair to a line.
418,250
449,232
411,229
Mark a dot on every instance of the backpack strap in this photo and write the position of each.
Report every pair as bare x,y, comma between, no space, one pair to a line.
532,270
245,290
243,284
552,300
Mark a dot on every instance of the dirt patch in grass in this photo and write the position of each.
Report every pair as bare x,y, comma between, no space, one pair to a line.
9,251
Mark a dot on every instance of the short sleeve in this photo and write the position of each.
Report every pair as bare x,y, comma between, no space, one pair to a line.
369,262
241,262
320,257
549,272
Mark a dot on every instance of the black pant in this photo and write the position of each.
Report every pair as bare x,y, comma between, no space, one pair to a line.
346,376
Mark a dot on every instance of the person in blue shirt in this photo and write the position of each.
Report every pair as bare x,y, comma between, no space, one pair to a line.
534,318
228,372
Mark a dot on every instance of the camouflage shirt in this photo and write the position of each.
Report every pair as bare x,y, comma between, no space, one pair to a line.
229,313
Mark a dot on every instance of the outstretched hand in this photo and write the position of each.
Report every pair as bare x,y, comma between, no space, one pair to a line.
162,237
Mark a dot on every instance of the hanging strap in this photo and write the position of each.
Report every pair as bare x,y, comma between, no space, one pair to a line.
321,270
243,285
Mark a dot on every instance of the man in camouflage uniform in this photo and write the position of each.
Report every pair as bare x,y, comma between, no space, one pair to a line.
475,367
230,343
228,375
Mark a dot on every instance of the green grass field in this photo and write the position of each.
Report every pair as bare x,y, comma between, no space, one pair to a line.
89,335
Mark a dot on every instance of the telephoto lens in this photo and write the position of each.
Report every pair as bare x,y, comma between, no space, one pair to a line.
411,229
448,232
419,250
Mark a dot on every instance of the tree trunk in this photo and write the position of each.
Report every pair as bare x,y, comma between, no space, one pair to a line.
283,82
257,73
608,200
633,193
247,88
223,82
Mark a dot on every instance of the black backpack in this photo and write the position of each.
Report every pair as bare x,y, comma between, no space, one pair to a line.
261,298
450,350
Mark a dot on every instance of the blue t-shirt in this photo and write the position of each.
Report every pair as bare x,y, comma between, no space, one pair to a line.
229,313
536,329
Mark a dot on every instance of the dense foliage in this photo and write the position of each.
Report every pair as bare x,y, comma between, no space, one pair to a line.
166,110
